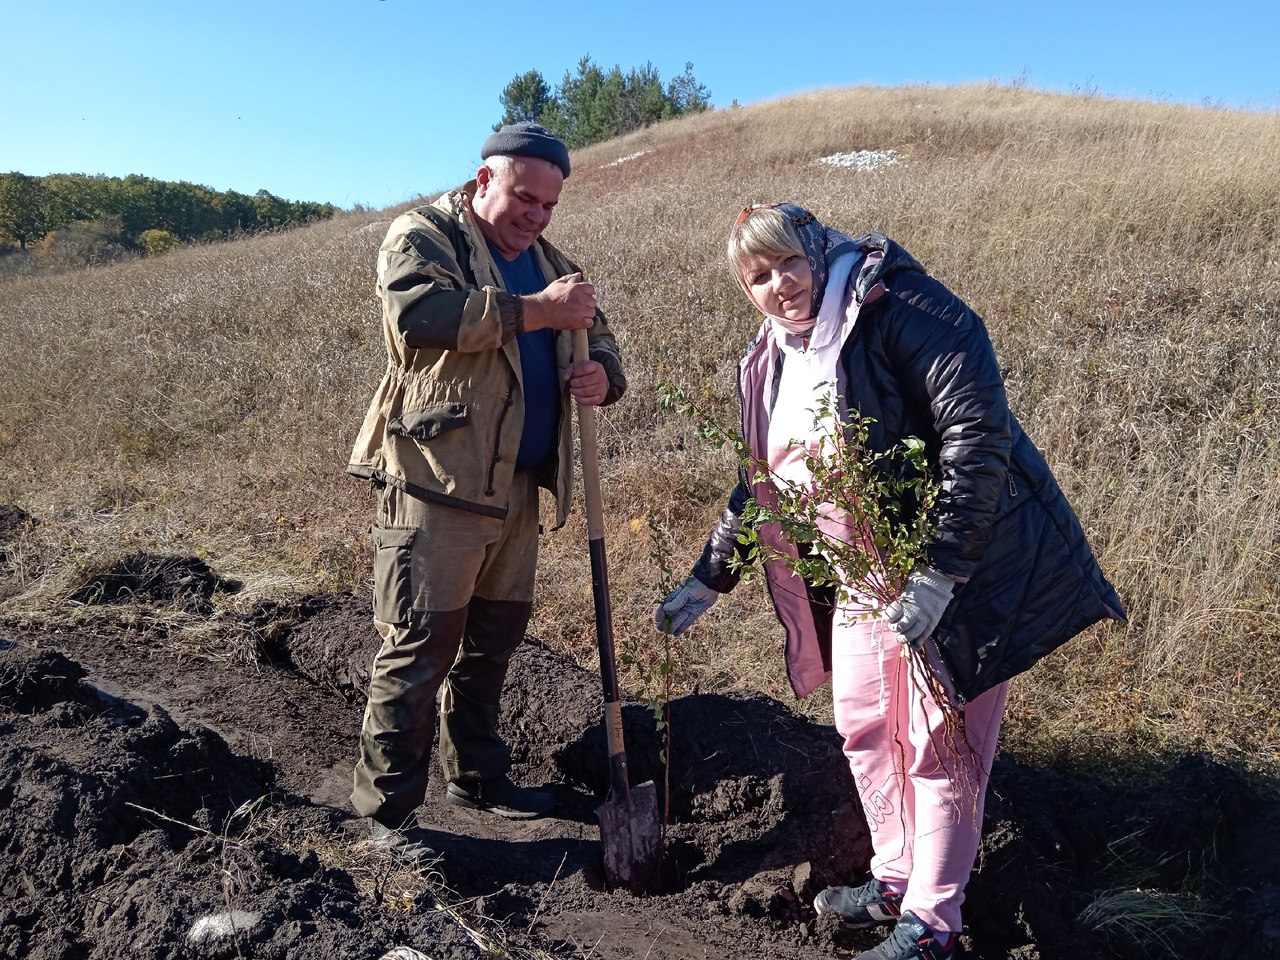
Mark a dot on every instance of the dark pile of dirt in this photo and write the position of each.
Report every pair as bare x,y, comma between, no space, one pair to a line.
183,583
124,835
158,806
13,519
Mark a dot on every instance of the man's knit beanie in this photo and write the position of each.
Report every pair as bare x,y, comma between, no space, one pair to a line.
528,139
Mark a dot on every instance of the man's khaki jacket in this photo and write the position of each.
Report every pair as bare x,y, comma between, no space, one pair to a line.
445,423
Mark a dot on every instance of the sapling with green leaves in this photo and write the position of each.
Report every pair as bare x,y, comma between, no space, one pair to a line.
860,522
656,677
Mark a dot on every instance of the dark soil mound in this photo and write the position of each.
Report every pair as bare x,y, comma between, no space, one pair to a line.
177,816
84,777
184,583
12,519
126,836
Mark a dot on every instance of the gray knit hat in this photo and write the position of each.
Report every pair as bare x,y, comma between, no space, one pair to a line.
528,139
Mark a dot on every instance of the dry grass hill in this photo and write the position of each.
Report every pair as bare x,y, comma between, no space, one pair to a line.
1126,257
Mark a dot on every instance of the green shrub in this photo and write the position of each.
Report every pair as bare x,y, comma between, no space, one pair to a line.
156,242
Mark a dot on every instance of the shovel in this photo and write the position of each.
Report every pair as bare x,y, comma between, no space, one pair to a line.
630,830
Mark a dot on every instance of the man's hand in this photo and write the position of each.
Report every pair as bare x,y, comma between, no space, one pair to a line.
566,304
588,382
915,614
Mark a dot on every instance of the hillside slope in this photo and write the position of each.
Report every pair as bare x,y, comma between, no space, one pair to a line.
1124,256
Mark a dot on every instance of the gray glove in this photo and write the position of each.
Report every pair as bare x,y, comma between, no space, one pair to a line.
915,614
685,604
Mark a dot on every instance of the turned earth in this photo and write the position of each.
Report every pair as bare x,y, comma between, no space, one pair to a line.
147,790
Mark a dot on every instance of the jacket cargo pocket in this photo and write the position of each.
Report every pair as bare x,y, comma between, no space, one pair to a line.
429,422
392,580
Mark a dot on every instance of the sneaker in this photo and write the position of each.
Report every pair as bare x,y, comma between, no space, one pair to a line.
499,795
911,940
407,845
858,907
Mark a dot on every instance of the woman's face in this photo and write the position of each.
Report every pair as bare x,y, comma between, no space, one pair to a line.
781,285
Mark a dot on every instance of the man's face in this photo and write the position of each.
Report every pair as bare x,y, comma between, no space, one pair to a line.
515,206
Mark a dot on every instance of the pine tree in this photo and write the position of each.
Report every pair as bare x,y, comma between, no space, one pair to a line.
592,105
523,99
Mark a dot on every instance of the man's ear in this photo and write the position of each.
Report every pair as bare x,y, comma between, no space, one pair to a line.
484,177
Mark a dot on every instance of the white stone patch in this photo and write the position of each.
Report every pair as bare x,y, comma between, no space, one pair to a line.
376,225
629,156
403,953
862,159
217,925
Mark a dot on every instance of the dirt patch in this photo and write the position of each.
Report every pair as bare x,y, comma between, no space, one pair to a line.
163,806
13,520
157,580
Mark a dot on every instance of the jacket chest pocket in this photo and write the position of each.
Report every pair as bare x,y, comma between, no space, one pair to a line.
430,421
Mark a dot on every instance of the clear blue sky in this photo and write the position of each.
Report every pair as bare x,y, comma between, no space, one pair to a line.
378,101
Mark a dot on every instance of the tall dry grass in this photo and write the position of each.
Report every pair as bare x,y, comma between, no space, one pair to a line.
1124,256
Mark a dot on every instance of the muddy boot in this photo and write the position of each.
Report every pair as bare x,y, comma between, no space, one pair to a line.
406,845
912,940
499,795
858,907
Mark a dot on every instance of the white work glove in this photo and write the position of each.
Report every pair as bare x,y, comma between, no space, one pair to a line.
915,614
685,604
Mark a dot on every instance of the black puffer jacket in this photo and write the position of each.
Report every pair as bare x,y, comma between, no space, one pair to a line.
919,362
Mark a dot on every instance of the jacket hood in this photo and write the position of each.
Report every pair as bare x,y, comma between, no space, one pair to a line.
876,270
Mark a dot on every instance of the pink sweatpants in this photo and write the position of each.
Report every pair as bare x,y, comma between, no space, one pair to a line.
925,826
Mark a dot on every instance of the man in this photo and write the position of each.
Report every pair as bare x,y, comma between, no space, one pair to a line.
471,418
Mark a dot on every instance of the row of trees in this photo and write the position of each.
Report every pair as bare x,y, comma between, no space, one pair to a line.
594,105
30,207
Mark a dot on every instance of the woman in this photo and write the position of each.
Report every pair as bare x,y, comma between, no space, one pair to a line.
1009,576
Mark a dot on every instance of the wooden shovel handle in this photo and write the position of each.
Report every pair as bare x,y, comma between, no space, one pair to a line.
590,449
600,582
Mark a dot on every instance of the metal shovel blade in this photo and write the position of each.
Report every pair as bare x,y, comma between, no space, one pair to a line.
631,834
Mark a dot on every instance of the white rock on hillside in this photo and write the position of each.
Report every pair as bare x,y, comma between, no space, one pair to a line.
630,156
862,159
